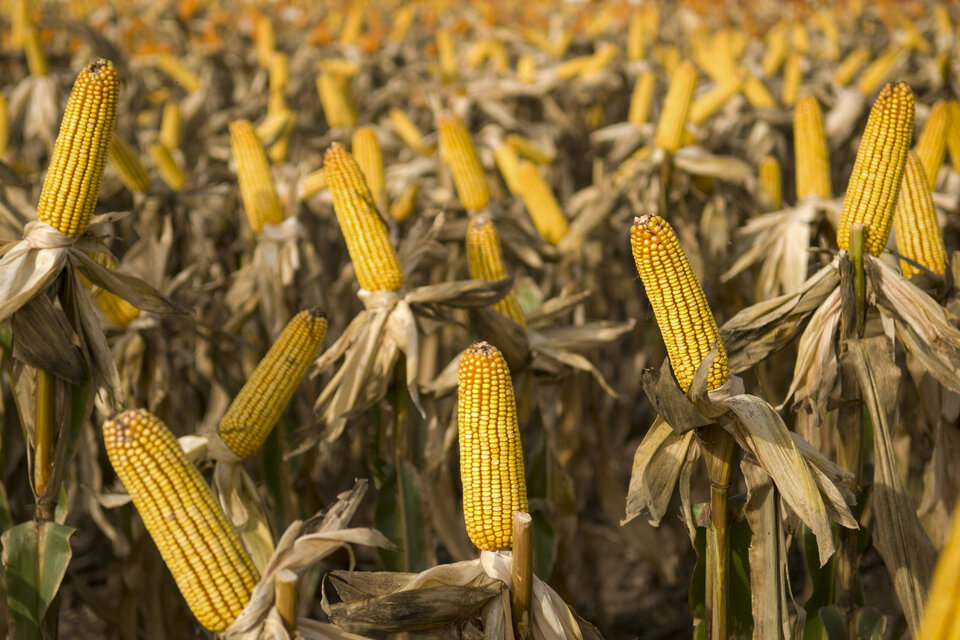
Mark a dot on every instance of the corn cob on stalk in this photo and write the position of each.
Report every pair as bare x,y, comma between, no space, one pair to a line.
941,617
369,157
953,133
127,163
485,259
711,102
915,222
447,55
170,172
400,22
178,72
688,328
776,50
491,455
118,311
668,57
199,546
278,79
847,69
810,150
402,207
339,67
757,93
373,257
878,170
352,24
313,183
70,187
257,189
458,152
170,126
4,124
36,59
641,98
406,129
932,142
528,149
266,40
636,39
526,68
257,408
676,107
508,161
792,77
874,75
770,182
542,205
335,99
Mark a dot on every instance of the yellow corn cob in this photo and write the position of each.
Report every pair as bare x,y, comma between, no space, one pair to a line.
406,129
257,189
339,67
278,79
446,54
912,38
170,125
526,68
915,222
600,59
485,259
335,99
688,328
373,257
636,40
491,454
571,68
668,57
273,126
528,149
953,133
70,188
776,50
36,59
209,564
170,172
458,152
313,183
711,102
830,49
770,182
878,170
352,24
178,72
266,41
402,207
800,38
127,163
875,74
641,98
19,22
4,124
941,616
932,142
542,205
651,19
599,22
257,408
810,150
369,157
507,163
676,107
498,56
118,311
792,77
757,94
941,17
847,69
402,19
627,168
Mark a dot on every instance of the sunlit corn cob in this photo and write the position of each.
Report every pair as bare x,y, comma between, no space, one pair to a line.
4,124
170,125
36,58
847,69
366,151
812,160
257,189
279,77
676,107
941,616
771,182
19,22
526,68
485,259
830,48
352,23
446,54
542,205
313,183
477,53
688,327
170,172
507,163
458,152
402,207
257,408
636,38
266,40
373,257
491,454
953,133
932,141
528,149
912,38
570,68
600,60
339,67
641,98
401,20
776,49
335,99
915,223
757,93
792,77
875,74
127,163
668,57
206,558
711,102
878,170
406,129
800,37
72,183
118,311
177,71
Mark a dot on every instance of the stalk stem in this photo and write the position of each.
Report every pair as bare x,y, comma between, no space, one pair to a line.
522,574
718,455
44,444
285,595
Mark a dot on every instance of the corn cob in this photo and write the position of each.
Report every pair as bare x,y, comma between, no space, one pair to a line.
953,133
641,98
571,68
4,124
127,163
369,157
526,68
19,22
402,207
941,616
313,183
256,409
339,67
636,39
485,259
406,129
688,328
810,150
757,94
70,188
668,57
178,72
932,142
878,170
352,24
170,125
542,205
446,54
373,257
279,77
600,59
800,38
847,69
711,102
458,152
507,163
770,182
266,40
477,54
676,107
36,58
401,20
491,454
874,75
335,99
830,49
257,189
528,149
776,50
792,77
209,564
170,172
118,311
915,222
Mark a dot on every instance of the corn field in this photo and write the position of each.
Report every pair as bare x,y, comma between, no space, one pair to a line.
479,320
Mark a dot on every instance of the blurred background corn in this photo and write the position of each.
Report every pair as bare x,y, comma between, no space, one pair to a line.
941,617
178,72
257,189
711,101
932,141
915,224
642,98
792,77
771,182
878,70
851,65
459,154
118,311
170,125
128,165
485,260
335,100
541,204
366,151
812,160
406,129
170,172
405,204
676,107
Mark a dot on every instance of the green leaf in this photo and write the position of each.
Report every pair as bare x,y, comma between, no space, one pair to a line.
399,516
544,545
834,622
870,624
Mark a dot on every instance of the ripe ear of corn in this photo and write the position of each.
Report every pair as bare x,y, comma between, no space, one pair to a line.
127,163
4,124
812,159
941,616
711,102
932,142
757,93
542,205
313,183
266,40
528,149
847,69
179,72
36,59
792,77
257,408
335,99
209,564
878,170
508,163
879,69
458,152
636,40
402,207
170,125
491,455
485,259
915,223
676,107
373,257
688,327
776,50
72,183
642,98
953,133
526,68
257,189
369,157
406,129
118,311
170,172
771,182
446,53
